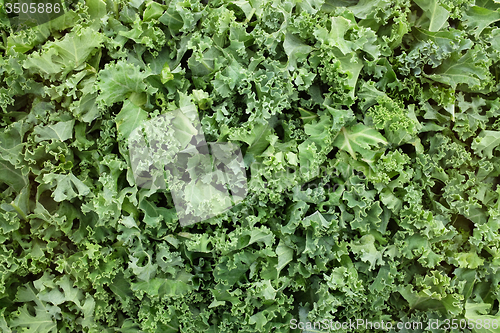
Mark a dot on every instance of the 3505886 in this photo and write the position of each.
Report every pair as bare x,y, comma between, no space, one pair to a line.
32,8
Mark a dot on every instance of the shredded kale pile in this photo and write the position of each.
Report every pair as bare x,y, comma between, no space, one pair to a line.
370,136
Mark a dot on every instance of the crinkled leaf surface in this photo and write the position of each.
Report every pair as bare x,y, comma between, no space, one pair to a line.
233,166
358,139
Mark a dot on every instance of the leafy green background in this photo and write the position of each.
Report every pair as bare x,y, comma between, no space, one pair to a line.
370,132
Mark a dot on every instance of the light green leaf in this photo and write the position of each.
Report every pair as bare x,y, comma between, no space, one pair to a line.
310,6
469,260
67,186
11,142
335,36
358,138
485,142
76,47
295,49
467,69
3,323
478,18
44,63
41,322
12,176
263,235
153,11
172,19
479,313
61,57
61,131
436,14
246,7
205,65
86,108
351,69
96,10
365,8
21,202
285,255
255,135
367,251
129,118
118,81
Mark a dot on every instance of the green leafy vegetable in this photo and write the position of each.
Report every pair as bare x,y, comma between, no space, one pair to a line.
344,154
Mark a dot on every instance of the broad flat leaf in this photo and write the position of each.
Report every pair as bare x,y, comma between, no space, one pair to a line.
71,294
367,251
318,132
63,56
436,14
469,260
96,10
307,116
478,18
151,286
129,118
67,186
486,141
153,11
3,323
448,41
365,8
467,69
145,271
206,64
121,287
76,47
285,255
331,5
229,78
495,39
295,49
11,142
42,321
21,202
479,312
310,6
172,19
263,235
358,138
425,300
12,176
178,287
43,63
63,22
352,69
335,36
198,195
61,131
154,214
255,135
118,81
86,108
